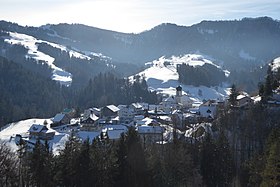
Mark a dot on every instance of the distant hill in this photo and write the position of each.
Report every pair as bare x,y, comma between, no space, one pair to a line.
165,74
236,44
240,46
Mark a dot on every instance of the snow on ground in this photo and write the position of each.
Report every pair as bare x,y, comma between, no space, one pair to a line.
62,133
29,43
8,133
162,76
275,64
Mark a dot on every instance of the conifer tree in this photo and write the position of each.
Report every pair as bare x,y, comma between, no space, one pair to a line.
271,173
233,95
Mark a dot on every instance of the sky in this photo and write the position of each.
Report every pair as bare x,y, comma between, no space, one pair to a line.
133,16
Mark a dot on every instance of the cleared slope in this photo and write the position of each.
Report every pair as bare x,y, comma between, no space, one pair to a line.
162,76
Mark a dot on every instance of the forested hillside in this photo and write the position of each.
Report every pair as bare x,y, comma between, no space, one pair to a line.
24,94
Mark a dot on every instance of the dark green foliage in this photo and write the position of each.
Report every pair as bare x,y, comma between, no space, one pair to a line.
233,95
206,75
107,89
67,163
131,161
271,172
41,165
24,94
9,164
216,161
272,82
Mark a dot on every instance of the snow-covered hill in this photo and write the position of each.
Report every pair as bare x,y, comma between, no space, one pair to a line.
31,44
161,75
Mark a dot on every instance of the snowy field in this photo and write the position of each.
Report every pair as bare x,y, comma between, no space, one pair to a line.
162,76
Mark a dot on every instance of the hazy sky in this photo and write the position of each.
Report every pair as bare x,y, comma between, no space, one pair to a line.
133,15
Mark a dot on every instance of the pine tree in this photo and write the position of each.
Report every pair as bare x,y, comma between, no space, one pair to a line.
208,162
225,162
40,165
67,163
233,95
84,170
271,173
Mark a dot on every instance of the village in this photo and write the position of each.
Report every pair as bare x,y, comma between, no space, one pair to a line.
154,123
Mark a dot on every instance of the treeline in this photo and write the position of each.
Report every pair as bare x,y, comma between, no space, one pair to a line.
248,132
206,75
125,162
25,94
107,88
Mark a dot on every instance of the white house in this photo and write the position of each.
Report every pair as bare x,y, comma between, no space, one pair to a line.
208,109
126,114
89,123
244,100
168,104
37,131
114,131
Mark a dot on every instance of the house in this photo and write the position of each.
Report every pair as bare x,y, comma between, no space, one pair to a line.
70,112
89,123
37,131
60,119
138,108
126,114
95,111
178,119
168,104
244,100
109,111
178,101
208,109
114,131
150,134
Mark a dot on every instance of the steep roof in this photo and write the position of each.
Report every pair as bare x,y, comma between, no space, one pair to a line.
37,128
91,116
113,108
137,105
58,117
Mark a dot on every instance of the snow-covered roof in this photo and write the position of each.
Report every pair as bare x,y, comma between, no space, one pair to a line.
136,105
91,116
114,131
58,117
113,108
169,99
241,97
149,129
209,103
147,121
37,128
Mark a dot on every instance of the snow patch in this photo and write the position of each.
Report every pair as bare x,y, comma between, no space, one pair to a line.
275,64
29,42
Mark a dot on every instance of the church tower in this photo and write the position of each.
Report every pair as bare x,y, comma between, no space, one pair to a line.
178,94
